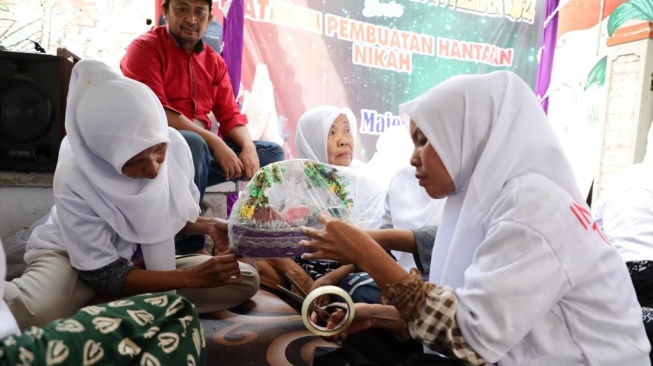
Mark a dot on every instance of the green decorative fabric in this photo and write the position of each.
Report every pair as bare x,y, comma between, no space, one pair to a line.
150,329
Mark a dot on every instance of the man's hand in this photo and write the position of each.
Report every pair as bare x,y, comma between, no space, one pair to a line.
249,158
231,165
227,158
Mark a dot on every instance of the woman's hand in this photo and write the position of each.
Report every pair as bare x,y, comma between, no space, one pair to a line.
289,268
339,241
325,280
219,270
366,316
320,282
343,242
219,233
333,278
362,321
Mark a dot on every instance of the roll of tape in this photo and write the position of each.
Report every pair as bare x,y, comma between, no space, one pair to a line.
327,290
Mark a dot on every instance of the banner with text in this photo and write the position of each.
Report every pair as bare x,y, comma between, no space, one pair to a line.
372,55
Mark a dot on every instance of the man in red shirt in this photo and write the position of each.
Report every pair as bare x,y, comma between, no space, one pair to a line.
191,80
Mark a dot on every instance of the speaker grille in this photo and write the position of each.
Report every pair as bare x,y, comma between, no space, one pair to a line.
26,112
33,89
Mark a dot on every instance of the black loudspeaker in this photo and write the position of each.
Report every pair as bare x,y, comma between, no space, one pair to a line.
33,92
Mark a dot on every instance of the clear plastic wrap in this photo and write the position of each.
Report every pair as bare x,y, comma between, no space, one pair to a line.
284,196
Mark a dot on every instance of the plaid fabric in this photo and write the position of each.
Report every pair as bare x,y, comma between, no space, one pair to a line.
430,312
435,326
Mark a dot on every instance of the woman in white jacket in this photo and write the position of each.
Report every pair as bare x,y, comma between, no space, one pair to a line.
123,189
519,274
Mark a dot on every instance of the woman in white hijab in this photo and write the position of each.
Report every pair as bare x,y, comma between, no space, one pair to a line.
519,272
327,134
107,334
409,207
123,189
624,212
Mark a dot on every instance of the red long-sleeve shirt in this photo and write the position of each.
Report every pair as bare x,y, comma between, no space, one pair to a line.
192,85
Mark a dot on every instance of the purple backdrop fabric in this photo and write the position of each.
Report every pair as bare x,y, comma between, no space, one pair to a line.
231,199
232,51
548,49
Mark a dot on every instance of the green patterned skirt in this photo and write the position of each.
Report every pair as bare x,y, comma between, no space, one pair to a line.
151,329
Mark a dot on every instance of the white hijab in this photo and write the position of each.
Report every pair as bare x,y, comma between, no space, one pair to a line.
635,176
408,206
311,142
313,131
411,207
487,129
8,325
110,119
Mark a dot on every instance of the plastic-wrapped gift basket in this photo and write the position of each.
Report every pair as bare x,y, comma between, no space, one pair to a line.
281,198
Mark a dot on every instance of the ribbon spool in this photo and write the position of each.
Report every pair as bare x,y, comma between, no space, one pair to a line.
307,309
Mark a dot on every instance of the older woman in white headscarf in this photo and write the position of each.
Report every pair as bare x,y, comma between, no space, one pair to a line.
327,134
123,189
519,274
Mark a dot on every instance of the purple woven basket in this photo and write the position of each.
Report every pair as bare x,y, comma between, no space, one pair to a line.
260,243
